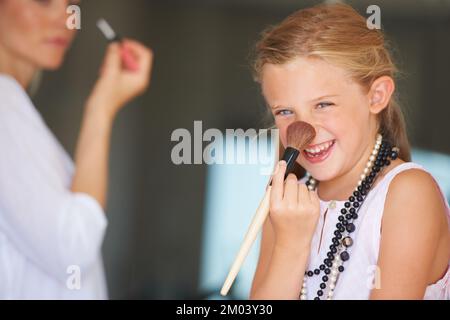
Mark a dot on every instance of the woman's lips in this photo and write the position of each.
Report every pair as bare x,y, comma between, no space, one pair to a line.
59,42
316,155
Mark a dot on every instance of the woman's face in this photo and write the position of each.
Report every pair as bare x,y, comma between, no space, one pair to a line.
316,92
35,31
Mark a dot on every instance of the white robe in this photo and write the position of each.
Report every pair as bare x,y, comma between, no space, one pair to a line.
50,237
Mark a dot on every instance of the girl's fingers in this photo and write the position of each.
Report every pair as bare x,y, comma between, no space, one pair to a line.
303,194
276,195
291,190
314,197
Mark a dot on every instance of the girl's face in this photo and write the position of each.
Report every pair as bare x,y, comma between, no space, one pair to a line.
35,31
316,92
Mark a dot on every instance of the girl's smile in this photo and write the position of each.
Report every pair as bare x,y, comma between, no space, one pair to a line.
319,152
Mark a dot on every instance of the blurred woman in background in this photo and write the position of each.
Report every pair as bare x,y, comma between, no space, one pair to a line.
52,218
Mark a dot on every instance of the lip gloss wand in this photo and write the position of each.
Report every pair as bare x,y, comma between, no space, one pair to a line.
128,59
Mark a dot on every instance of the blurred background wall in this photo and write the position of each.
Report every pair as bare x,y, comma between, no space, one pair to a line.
202,72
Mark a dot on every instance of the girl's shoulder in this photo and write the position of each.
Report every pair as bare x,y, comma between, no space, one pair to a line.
410,187
415,207
410,182
415,224
406,195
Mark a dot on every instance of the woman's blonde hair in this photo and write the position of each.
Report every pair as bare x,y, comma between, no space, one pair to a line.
339,35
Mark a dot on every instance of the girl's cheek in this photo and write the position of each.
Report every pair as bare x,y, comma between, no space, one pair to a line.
337,125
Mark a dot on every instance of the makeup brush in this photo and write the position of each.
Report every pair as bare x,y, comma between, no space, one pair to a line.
299,135
128,59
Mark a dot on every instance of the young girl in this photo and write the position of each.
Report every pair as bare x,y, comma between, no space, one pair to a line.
52,219
365,222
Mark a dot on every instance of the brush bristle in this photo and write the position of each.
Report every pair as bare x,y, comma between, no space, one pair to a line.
300,134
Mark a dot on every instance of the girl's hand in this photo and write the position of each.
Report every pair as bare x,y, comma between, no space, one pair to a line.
294,211
124,75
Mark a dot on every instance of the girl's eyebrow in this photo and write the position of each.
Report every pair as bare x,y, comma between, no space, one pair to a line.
325,96
277,106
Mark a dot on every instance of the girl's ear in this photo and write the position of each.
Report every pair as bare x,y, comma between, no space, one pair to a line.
380,94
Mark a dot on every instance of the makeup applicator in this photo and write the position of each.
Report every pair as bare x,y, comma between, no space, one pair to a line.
128,59
299,135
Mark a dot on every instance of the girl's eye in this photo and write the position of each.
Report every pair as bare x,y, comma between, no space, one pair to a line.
283,112
322,105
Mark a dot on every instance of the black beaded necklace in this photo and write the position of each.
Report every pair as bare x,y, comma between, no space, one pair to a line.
332,265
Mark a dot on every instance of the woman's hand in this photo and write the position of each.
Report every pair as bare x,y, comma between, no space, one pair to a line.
124,75
294,211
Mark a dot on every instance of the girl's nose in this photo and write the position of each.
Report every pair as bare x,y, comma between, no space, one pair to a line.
305,118
309,120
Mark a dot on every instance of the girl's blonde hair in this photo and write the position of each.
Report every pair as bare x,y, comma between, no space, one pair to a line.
339,35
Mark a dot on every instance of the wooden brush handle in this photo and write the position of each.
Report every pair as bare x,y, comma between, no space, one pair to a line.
256,225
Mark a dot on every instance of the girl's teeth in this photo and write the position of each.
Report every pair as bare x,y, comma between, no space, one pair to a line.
319,148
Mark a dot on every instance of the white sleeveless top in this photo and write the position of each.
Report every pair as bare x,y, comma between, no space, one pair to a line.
360,275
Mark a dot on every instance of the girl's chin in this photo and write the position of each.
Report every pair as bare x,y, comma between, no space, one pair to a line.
324,167
321,174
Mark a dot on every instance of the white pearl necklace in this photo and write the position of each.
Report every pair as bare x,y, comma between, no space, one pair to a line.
334,274
333,279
